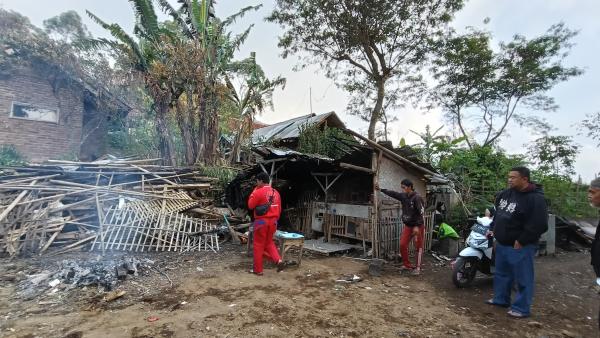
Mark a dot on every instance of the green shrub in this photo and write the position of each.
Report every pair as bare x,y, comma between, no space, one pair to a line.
9,155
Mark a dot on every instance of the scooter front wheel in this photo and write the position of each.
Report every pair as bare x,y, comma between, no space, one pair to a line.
463,272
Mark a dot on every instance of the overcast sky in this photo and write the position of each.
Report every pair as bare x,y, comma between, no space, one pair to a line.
576,98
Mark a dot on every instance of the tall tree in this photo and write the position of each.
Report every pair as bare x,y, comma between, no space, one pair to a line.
250,98
362,106
197,22
591,125
495,88
369,41
147,58
67,26
555,154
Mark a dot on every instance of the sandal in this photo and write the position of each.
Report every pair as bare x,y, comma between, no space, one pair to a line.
517,314
255,273
491,302
281,266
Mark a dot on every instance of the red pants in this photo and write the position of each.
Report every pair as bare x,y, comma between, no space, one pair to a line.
407,235
263,243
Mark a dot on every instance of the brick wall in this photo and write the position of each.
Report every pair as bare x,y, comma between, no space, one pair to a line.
37,140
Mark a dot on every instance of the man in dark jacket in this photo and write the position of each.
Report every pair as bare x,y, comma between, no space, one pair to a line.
412,218
594,199
521,218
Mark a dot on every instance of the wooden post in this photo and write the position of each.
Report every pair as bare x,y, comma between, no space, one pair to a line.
375,161
100,215
550,235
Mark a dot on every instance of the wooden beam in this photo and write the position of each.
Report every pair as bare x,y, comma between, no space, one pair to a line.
332,182
390,153
16,201
321,185
148,172
355,167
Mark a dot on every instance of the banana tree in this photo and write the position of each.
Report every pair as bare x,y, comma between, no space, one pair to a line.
254,94
148,58
197,22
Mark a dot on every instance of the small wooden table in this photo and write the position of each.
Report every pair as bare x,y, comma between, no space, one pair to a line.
288,240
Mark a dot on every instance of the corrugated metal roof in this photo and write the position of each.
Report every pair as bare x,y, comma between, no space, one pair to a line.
291,128
270,153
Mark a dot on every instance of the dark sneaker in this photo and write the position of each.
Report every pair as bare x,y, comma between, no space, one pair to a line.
280,266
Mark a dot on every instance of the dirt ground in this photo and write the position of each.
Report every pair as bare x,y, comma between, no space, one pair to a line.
212,295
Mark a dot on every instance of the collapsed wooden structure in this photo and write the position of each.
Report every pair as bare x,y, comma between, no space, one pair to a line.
109,204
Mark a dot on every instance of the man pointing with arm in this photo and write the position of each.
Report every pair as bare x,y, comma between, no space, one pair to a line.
414,223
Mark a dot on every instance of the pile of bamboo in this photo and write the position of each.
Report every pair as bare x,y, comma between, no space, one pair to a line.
110,204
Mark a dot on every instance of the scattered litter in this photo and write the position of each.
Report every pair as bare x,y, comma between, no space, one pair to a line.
199,269
54,283
349,279
152,319
232,305
114,295
535,324
568,334
376,267
38,278
368,288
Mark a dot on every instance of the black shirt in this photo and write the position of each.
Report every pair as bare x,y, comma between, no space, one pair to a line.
412,207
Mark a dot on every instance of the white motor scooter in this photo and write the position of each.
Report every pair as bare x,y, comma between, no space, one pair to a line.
476,256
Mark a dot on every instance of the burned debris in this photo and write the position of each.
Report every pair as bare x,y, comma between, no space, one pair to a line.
109,204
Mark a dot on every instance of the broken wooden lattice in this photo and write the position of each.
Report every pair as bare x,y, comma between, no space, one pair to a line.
148,226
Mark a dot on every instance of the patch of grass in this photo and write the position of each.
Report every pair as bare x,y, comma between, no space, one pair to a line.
9,155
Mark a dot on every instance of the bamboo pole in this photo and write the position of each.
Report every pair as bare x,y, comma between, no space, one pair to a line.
15,202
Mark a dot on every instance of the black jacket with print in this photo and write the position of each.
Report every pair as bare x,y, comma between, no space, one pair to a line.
412,207
596,251
520,215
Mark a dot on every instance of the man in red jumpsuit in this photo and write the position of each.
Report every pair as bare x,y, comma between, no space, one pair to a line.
265,225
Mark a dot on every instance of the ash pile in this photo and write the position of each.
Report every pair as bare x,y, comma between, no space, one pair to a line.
69,274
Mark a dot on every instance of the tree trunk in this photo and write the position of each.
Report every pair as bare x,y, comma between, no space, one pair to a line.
212,135
202,108
234,155
377,109
208,126
186,120
165,142
184,124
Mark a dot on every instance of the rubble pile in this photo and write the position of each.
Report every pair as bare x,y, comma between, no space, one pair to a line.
108,204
